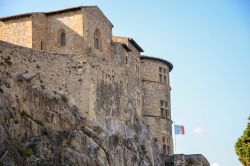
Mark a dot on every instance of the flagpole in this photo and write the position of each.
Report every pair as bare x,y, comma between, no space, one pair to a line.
174,140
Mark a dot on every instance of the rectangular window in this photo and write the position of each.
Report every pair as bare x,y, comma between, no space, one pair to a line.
164,109
168,149
162,103
164,149
162,74
163,140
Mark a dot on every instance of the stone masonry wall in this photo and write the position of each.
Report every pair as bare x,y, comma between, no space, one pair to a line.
159,126
56,72
17,31
43,30
93,19
151,70
94,85
39,31
72,23
133,77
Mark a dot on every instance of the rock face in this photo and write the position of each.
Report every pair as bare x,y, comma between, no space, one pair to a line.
38,127
54,133
185,160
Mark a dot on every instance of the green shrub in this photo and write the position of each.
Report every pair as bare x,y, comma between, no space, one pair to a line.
23,151
64,98
242,146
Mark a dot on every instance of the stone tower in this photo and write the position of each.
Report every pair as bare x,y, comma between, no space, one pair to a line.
156,101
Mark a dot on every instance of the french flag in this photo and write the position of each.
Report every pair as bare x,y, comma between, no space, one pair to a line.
179,129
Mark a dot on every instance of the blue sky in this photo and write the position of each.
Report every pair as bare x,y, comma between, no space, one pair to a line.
208,43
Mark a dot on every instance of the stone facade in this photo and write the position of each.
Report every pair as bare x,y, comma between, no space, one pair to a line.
104,76
43,30
17,31
156,101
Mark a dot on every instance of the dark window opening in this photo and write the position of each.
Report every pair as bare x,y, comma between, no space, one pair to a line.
41,46
96,43
164,149
97,40
63,39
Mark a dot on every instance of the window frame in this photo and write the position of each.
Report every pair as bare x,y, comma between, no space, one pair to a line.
63,39
164,109
162,74
97,40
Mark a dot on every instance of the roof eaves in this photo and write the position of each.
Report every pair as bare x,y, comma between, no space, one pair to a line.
54,12
135,45
65,10
126,47
170,65
77,8
16,16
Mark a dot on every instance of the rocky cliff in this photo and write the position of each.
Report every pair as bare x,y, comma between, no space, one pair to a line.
41,127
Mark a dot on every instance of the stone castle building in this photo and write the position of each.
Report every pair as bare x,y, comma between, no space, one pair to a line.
106,76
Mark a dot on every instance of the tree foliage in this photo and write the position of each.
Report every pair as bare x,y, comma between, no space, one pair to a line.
242,146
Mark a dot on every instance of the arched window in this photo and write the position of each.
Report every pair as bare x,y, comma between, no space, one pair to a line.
63,39
97,40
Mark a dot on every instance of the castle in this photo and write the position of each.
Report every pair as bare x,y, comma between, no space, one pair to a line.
106,77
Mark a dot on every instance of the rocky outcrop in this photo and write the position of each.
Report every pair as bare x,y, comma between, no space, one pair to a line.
185,160
39,127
